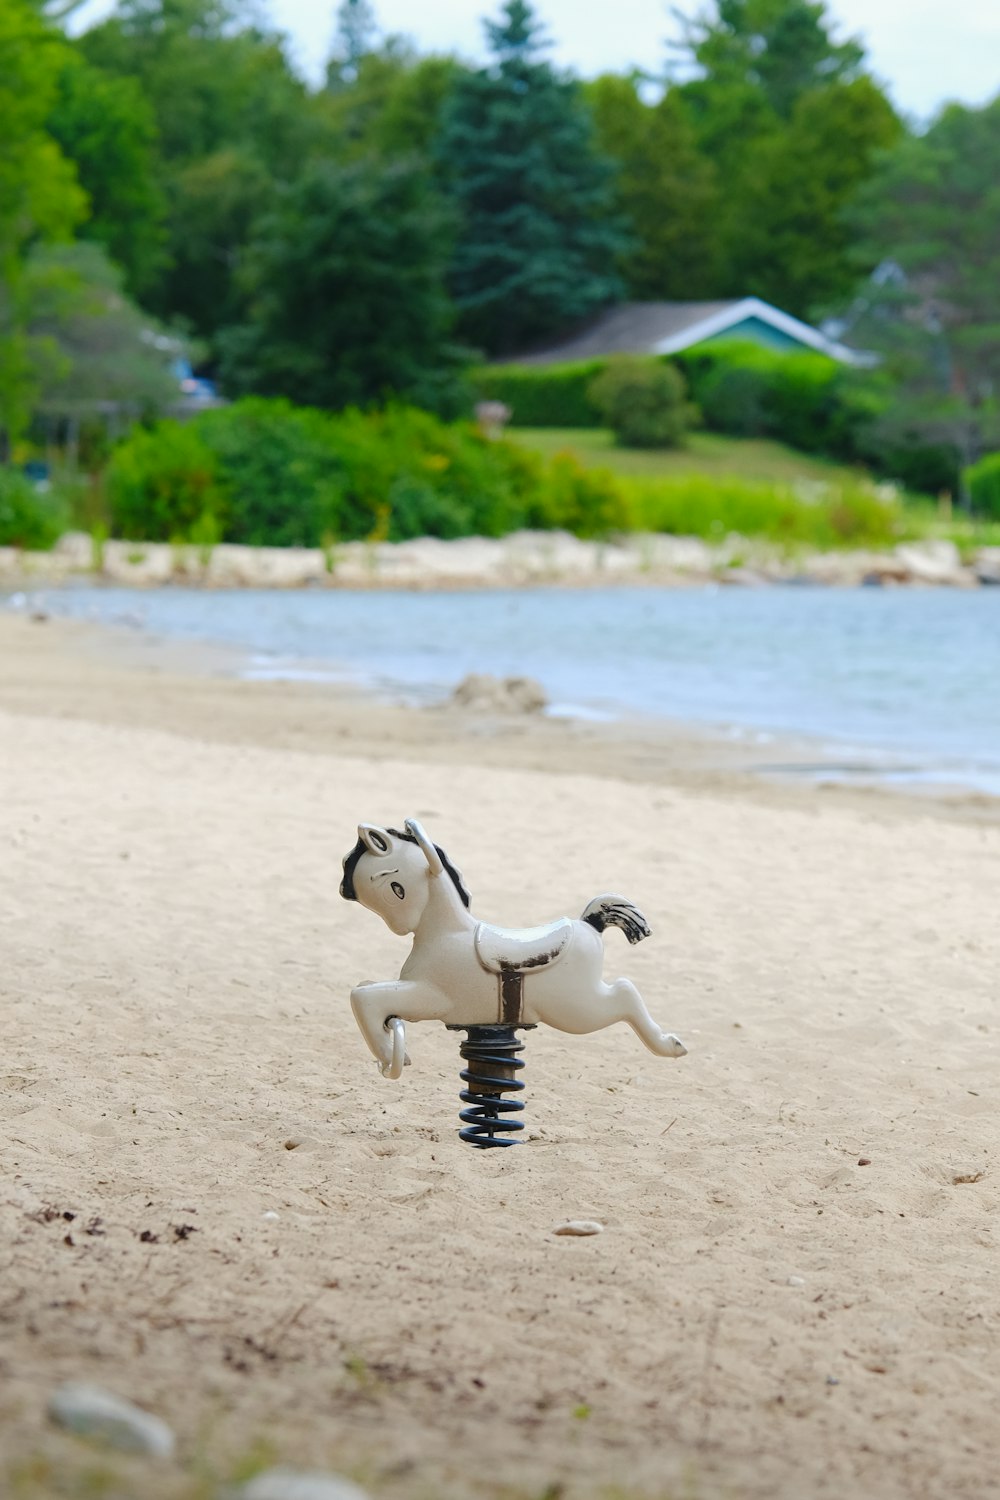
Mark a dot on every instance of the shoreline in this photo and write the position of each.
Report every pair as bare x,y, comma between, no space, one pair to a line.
129,677
519,560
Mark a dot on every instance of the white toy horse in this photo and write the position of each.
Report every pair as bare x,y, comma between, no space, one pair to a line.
465,972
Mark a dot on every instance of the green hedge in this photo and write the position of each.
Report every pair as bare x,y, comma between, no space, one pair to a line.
266,472
543,395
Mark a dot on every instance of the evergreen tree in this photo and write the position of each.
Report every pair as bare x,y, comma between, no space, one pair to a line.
538,239
345,286
354,40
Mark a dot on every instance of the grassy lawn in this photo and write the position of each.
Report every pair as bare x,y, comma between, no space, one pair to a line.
706,453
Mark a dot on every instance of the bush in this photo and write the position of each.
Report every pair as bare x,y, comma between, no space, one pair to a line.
267,472
281,470
161,482
983,480
543,395
643,402
803,399
29,517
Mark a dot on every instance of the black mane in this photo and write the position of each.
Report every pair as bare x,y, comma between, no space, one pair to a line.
351,863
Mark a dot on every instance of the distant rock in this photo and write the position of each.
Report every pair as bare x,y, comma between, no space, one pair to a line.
986,565
933,562
503,695
292,1484
90,1411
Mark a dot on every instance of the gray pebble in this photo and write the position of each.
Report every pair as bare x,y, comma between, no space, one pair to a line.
579,1226
290,1484
92,1412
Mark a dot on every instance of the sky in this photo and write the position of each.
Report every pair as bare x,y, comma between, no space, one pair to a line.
926,52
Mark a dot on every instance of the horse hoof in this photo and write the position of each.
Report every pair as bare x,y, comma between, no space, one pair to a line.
673,1046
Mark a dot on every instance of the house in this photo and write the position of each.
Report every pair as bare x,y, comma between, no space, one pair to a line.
669,327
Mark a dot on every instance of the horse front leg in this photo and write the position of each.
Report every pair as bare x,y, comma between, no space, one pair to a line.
377,1003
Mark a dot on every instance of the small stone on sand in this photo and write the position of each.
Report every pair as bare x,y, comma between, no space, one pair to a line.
579,1226
92,1412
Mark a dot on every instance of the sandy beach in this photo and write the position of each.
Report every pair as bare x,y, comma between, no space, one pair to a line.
213,1204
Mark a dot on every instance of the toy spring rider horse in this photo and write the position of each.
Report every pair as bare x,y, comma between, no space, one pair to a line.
484,980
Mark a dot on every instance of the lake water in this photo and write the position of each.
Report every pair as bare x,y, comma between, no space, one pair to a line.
904,682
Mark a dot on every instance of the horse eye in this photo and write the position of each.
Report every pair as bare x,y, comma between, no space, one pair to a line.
397,890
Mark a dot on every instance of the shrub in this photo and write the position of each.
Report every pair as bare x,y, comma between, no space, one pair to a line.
588,502
734,399
266,472
29,517
281,470
543,395
160,482
803,399
983,480
643,402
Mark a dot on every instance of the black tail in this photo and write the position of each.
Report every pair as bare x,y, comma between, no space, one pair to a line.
616,911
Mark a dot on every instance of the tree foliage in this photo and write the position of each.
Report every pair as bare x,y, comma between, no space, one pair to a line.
792,124
537,239
345,290
931,217
666,189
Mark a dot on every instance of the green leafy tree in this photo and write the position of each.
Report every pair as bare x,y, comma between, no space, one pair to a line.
794,245
40,199
538,239
109,353
764,54
106,127
344,280
355,39
792,124
394,104
666,190
233,122
931,218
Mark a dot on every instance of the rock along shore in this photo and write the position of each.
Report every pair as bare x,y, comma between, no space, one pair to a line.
523,558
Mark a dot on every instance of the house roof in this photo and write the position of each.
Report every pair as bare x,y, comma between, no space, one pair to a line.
668,327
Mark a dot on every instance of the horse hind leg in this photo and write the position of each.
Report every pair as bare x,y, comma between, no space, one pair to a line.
632,1008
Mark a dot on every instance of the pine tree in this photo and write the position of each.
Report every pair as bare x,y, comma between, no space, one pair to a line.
356,32
538,237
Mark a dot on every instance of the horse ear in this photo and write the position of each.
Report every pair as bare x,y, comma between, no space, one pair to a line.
375,839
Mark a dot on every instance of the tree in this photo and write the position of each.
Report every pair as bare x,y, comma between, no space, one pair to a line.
794,245
777,49
229,112
931,217
792,125
356,32
538,239
394,105
40,199
108,352
344,280
106,127
666,190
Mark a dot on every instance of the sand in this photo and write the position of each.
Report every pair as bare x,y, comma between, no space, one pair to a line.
212,1203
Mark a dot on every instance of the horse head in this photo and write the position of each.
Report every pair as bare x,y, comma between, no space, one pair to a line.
390,872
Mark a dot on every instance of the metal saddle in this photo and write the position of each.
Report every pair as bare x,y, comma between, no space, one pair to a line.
520,950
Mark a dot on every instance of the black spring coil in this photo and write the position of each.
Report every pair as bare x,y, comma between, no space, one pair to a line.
491,1073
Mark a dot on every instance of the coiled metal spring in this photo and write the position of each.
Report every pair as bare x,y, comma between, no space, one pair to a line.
491,1073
